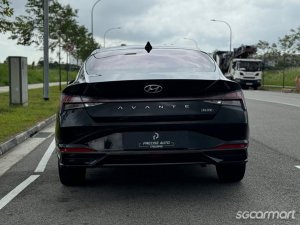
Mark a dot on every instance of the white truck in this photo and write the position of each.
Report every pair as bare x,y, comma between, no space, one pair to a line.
238,66
247,72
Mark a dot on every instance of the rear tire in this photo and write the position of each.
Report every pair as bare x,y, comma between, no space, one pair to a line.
231,172
71,176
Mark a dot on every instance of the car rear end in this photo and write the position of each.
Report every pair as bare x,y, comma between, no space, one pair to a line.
153,121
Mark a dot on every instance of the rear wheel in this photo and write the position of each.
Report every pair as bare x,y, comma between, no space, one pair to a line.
231,172
71,176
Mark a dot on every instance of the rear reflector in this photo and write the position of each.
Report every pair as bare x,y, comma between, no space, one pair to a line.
232,146
76,150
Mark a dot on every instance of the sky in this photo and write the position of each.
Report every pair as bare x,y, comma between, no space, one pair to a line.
169,22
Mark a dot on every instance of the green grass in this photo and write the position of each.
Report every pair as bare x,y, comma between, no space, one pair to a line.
275,77
15,119
35,75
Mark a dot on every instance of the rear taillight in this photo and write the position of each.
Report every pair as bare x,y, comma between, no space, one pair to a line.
69,102
235,98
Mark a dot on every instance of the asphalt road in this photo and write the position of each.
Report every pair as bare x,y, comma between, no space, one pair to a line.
167,195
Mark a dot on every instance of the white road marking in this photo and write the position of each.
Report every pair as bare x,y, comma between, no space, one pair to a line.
282,103
9,159
11,195
43,163
297,167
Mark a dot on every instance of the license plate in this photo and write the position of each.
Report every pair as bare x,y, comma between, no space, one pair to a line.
155,140
248,83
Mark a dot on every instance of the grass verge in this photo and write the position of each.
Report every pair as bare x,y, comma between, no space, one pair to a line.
35,75
16,119
278,77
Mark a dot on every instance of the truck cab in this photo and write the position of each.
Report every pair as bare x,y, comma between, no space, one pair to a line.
246,72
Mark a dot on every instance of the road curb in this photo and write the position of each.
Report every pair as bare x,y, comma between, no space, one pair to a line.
19,138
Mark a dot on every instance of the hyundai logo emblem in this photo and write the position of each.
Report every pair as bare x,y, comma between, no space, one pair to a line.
153,88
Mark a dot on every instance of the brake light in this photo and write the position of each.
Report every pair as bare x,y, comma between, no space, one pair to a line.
76,150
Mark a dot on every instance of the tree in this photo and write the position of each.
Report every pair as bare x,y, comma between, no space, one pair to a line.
268,52
287,44
64,29
264,46
5,11
296,37
28,29
83,42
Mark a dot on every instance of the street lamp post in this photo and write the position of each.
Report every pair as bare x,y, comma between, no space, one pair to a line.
92,18
195,42
46,50
222,21
113,28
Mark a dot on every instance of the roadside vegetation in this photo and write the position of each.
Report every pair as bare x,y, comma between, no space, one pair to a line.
281,78
281,59
5,13
35,75
16,119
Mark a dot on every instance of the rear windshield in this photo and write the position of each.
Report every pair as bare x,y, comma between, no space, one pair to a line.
157,61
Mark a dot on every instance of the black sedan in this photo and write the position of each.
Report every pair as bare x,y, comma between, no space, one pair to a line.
136,106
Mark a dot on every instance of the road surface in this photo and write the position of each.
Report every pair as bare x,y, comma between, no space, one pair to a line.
30,191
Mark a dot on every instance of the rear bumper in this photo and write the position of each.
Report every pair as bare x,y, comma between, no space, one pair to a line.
126,143
143,158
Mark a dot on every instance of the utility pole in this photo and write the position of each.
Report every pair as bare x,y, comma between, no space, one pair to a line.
46,50
59,62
